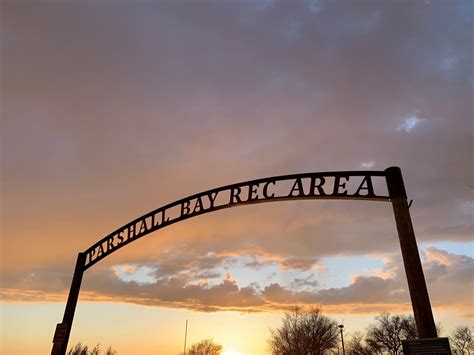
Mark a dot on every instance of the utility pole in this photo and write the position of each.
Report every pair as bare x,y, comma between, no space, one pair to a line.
342,339
185,336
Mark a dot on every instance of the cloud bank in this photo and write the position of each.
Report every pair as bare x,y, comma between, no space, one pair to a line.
198,286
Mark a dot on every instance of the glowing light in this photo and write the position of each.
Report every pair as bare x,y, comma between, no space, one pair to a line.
230,352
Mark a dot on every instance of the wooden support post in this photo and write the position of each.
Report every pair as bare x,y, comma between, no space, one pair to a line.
411,259
61,341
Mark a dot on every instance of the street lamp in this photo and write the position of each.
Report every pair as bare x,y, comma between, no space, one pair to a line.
342,339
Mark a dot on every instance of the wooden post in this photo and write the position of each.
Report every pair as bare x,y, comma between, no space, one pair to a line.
60,342
411,259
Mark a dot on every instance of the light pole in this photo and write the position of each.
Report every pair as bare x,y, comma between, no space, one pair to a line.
342,339
185,337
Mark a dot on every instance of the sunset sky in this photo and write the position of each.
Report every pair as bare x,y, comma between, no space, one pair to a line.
111,109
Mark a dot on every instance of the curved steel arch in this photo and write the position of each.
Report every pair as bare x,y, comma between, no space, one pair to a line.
304,186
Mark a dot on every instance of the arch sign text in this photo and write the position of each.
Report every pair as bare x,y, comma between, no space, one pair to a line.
349,185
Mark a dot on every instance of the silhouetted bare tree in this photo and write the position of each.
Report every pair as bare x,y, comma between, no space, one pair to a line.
387,333
80,349
304,333
355,345
461,341
205,347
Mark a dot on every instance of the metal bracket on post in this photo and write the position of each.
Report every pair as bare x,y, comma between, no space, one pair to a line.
63,330
411,259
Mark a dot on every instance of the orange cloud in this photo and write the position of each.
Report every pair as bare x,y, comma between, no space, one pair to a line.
450,285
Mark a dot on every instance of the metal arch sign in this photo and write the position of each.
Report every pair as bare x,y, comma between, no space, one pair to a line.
300,187
348,185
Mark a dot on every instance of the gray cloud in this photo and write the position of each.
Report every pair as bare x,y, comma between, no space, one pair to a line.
306,282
